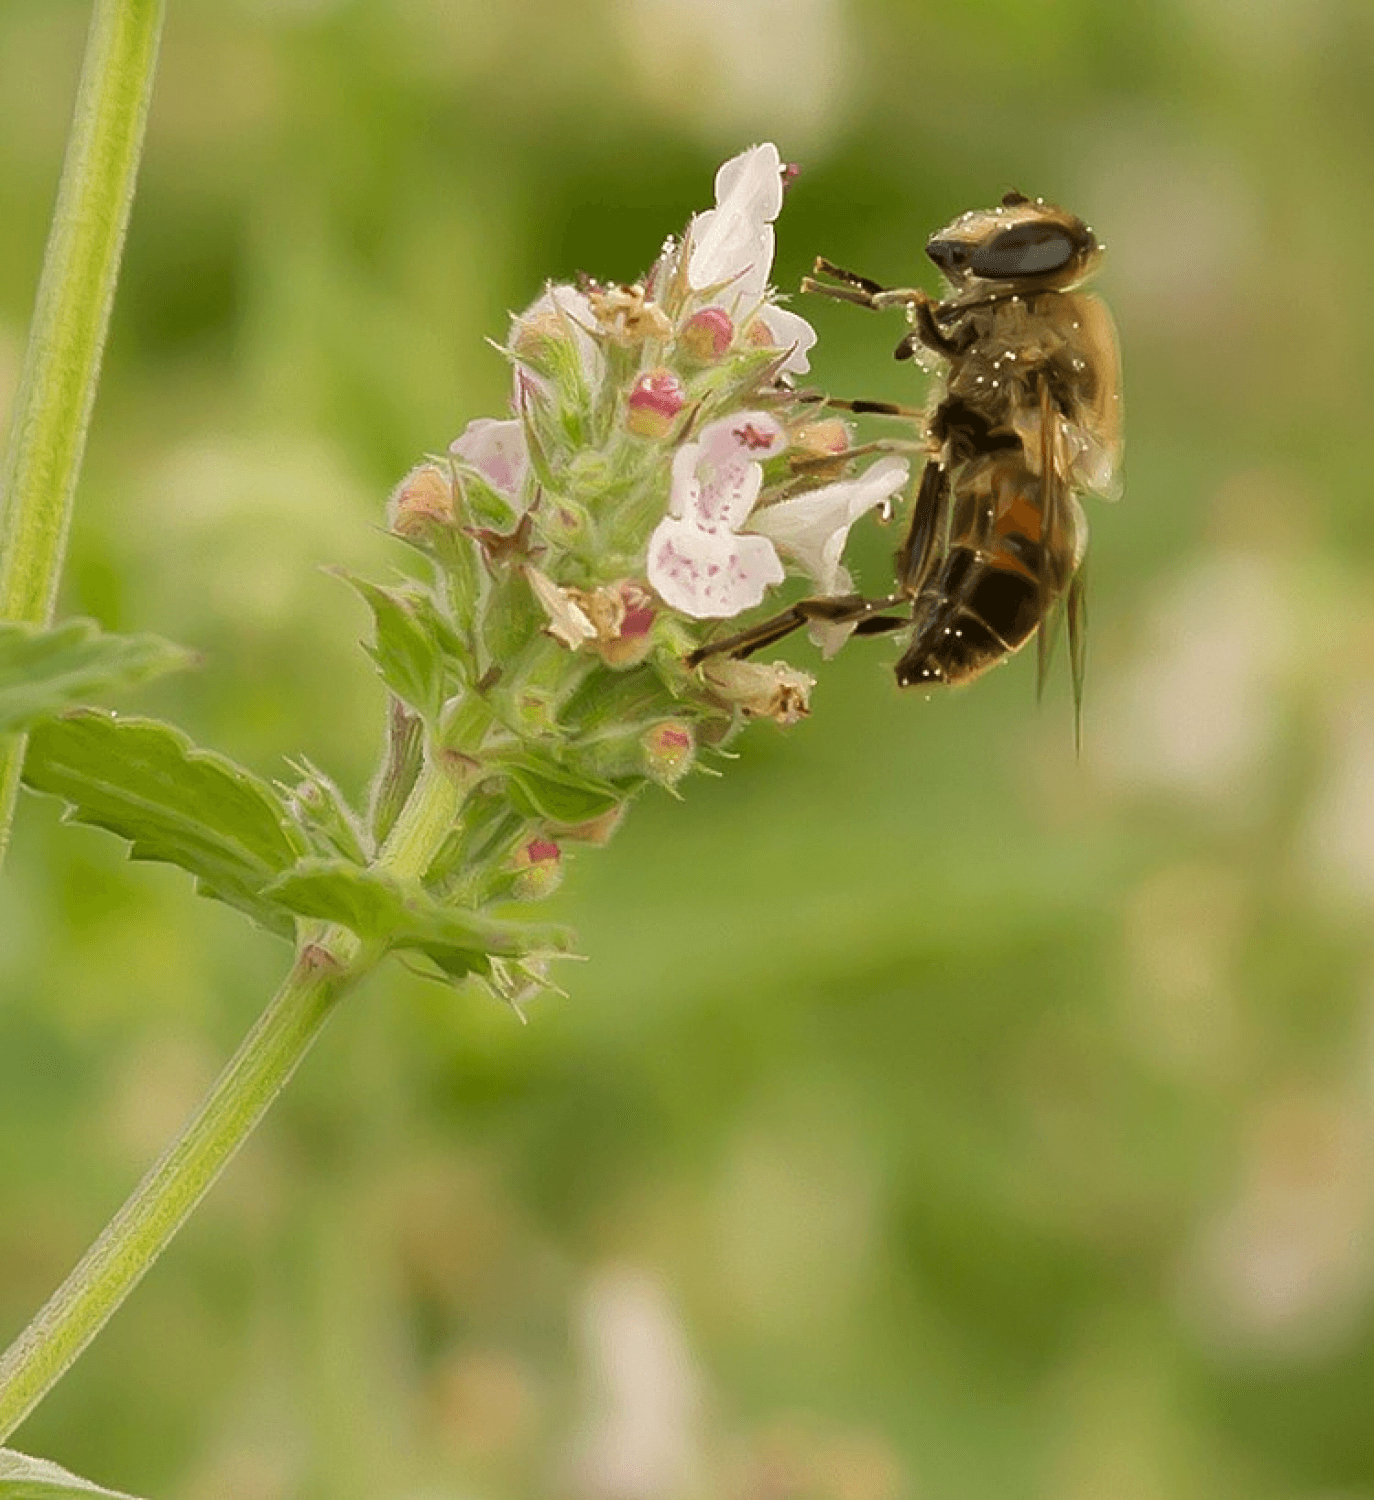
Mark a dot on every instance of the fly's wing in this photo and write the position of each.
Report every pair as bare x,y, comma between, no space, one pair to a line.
1062,539
1096,439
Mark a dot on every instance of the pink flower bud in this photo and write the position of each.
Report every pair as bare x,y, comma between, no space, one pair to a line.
538,868
821,439
707,335
654,402
669,749
423,498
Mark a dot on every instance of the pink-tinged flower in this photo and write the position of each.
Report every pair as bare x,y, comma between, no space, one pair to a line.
654,402
698,561
730,254
813,528
623,614
497,451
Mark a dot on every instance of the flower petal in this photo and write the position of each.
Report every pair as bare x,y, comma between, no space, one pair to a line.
710,574
791,331
814,527
733,242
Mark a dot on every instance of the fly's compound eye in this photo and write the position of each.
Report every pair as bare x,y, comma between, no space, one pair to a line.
949,255
1026,250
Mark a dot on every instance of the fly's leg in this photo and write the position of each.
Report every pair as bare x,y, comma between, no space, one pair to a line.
866,615
849,286
823,462
863,408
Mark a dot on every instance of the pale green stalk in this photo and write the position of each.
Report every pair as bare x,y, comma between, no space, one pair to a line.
324,970
57,385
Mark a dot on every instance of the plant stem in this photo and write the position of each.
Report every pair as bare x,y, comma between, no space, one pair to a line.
52,408
162,1202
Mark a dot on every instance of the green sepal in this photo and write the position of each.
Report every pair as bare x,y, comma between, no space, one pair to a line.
46,671
402,914
415,649
25,1478
144,781
405,755
540,789
323,815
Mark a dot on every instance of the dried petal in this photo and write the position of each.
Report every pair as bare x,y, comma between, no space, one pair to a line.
568,622
771,690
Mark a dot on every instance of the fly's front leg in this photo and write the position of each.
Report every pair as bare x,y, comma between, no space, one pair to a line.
863,291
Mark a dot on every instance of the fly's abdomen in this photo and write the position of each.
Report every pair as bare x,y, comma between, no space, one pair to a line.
987,596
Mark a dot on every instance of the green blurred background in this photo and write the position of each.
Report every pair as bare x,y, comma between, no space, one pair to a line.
937,1116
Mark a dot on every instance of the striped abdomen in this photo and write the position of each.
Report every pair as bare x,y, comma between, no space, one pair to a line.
998,577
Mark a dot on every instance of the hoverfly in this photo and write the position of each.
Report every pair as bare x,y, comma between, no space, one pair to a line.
1027,417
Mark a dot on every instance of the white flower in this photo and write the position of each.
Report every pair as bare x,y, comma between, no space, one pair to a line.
703,562
730,252
497,451
733,242
698,562
813,528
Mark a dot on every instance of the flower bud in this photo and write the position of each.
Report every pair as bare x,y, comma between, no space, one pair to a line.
707,335
669,749
424,498
823,439
654,403
537,867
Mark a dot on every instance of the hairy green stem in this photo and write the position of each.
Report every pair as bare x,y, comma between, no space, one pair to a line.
324,970
57,385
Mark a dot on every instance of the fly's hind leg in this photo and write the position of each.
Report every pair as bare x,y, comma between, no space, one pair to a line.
866,615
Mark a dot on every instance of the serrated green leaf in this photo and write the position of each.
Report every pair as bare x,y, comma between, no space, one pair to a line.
43,672
410,647
25,1478
146,782
403,914
540,789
